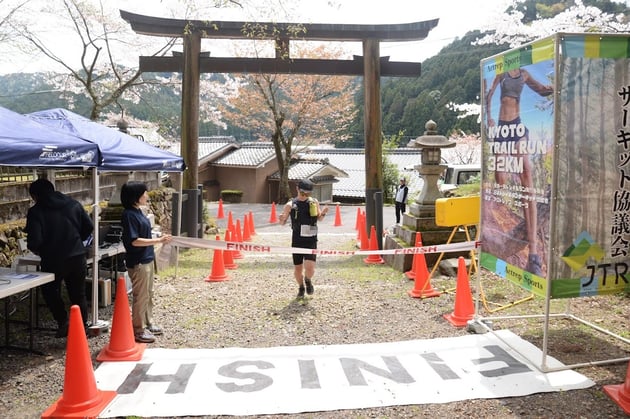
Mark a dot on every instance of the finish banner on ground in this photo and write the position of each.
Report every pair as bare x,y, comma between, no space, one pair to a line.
191,242
294,379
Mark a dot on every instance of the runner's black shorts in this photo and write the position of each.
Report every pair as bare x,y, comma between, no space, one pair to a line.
305,243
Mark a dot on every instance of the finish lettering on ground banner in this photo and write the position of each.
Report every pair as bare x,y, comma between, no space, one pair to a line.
249,376
241,381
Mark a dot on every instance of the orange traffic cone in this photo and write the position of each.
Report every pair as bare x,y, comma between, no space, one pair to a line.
620,393
337,216
375,258
464,309
80,396
273,218
230,223
356,220
422,285
247,236
411,274
360,224
363,237
220,214
252,229
235,235
228,259
236,254
217,273
122,345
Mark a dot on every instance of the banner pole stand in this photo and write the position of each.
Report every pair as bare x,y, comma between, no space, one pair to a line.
482,324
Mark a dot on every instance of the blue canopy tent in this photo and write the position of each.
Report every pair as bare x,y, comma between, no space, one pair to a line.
120,152
27,143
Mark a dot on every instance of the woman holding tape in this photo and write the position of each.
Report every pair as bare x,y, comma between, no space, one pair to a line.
139,241
304,211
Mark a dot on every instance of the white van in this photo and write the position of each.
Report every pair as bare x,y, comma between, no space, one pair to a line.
458,174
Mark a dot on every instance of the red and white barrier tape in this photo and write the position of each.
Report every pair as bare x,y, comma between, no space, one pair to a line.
191,242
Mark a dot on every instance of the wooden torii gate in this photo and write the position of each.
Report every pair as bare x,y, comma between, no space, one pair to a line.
371,66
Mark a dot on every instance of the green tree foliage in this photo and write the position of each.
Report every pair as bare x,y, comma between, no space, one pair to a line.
451,76
390,170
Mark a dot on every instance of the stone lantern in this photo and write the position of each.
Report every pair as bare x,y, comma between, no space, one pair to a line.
430,168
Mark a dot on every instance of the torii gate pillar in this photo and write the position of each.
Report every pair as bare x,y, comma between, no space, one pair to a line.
373,143
190,108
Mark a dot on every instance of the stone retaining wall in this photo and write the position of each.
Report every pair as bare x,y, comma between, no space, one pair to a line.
77,184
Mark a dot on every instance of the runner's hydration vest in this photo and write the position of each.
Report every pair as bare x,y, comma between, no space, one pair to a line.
303,212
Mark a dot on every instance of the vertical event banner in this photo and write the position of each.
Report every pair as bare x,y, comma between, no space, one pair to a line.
571,159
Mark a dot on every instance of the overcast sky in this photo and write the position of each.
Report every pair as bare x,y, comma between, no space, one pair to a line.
457,17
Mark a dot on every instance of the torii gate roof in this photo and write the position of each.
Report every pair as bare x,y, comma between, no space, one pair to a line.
158,26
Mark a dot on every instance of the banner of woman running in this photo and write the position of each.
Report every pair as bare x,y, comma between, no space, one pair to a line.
556,165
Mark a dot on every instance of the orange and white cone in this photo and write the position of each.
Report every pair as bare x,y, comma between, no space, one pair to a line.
337,217
238,238
228,259
411,274
620,393
122,344
236,254
273,217
220,213
374,258
464,307
217,273
252,228
422,285
81,398
247,235
357,220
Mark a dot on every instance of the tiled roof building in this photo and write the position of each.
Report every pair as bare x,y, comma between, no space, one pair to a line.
251,168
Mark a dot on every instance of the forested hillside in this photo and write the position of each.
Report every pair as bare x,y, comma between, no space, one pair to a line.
453,75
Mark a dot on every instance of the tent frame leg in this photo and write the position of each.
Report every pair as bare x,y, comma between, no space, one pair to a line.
97,326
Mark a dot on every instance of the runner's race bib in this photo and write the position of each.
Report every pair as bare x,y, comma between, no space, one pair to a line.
308,230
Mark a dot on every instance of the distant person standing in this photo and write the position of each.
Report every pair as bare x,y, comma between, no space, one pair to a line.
304,212
140,254
56,227
401,199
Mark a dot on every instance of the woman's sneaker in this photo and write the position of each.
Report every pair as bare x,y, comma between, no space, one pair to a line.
156,330
144,337
300,292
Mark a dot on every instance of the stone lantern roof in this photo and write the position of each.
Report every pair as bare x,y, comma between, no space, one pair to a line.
431,139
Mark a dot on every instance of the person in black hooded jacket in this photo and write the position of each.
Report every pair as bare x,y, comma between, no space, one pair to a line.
56,227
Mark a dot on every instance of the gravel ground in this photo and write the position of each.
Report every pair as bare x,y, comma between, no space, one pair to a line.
353,303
